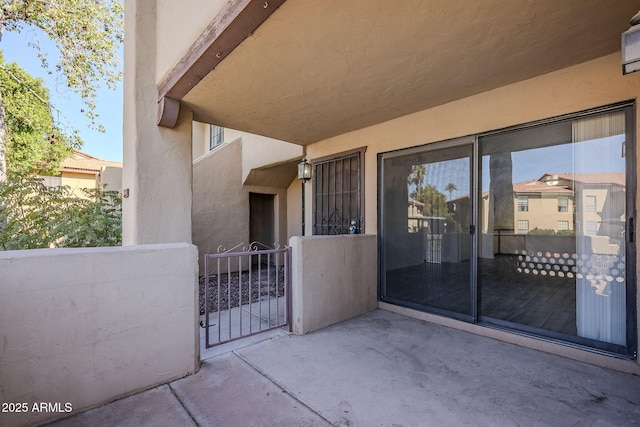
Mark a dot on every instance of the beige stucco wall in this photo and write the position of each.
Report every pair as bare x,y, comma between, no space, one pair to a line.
157,160
85,326
200,145
111,178
220,203
176,39
294,208
77,181
333,279
201,138
259,151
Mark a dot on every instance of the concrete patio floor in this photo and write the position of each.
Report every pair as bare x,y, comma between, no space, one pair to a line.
380,369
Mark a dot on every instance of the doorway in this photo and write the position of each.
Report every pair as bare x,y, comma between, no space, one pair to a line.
426,222
528,229
262,218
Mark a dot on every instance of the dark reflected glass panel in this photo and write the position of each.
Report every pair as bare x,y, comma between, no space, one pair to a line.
425,229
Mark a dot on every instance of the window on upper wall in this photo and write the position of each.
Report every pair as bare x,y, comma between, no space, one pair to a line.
563,204
590,203
337,194
523,203
216,136
591,228
523,227
563,225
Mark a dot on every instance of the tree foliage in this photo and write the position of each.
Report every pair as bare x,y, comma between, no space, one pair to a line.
88,34
31,214
37,216
415,180
450,188
34,145
435,203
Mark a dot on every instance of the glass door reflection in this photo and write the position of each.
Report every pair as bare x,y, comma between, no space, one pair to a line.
426,252
551,256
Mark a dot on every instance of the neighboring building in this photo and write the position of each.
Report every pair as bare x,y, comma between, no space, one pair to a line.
82,170
478,93
416,217
550,203
539,206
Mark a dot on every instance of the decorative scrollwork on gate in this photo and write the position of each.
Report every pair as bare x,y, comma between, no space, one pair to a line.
254,246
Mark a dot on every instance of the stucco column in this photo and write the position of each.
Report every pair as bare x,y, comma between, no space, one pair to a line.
157,161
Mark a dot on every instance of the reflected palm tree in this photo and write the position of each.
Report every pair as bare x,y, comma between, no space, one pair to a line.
416,178
450,188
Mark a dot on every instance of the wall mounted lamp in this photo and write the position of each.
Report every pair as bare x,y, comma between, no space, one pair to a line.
304,175
631,46
304,170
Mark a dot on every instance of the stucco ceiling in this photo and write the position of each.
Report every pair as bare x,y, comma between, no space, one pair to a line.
320,68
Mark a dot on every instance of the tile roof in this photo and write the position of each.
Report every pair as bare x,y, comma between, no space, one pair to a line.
535,186
82,162
594,178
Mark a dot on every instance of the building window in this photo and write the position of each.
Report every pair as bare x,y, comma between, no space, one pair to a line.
337,194
590,203
216,136
523,226
563,225
563,204
523,203
591,228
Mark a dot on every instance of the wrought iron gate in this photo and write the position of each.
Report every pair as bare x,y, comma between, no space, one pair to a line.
246,291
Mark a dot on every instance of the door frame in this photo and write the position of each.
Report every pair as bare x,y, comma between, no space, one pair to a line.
471,142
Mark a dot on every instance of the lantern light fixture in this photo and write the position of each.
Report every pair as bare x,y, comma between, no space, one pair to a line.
631,46
304,170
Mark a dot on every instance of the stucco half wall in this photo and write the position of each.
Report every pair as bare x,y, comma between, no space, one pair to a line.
333,279
85,326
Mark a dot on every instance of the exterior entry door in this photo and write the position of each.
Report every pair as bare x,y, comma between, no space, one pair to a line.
261,218
426,228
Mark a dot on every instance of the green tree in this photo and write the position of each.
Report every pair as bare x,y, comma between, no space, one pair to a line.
34,145
416,179
435,203
450,188
37,216
87,33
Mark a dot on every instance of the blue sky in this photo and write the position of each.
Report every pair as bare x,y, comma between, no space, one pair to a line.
107,145
593,156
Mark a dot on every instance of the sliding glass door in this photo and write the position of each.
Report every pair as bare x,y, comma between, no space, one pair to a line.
426,245
553,205
553,250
